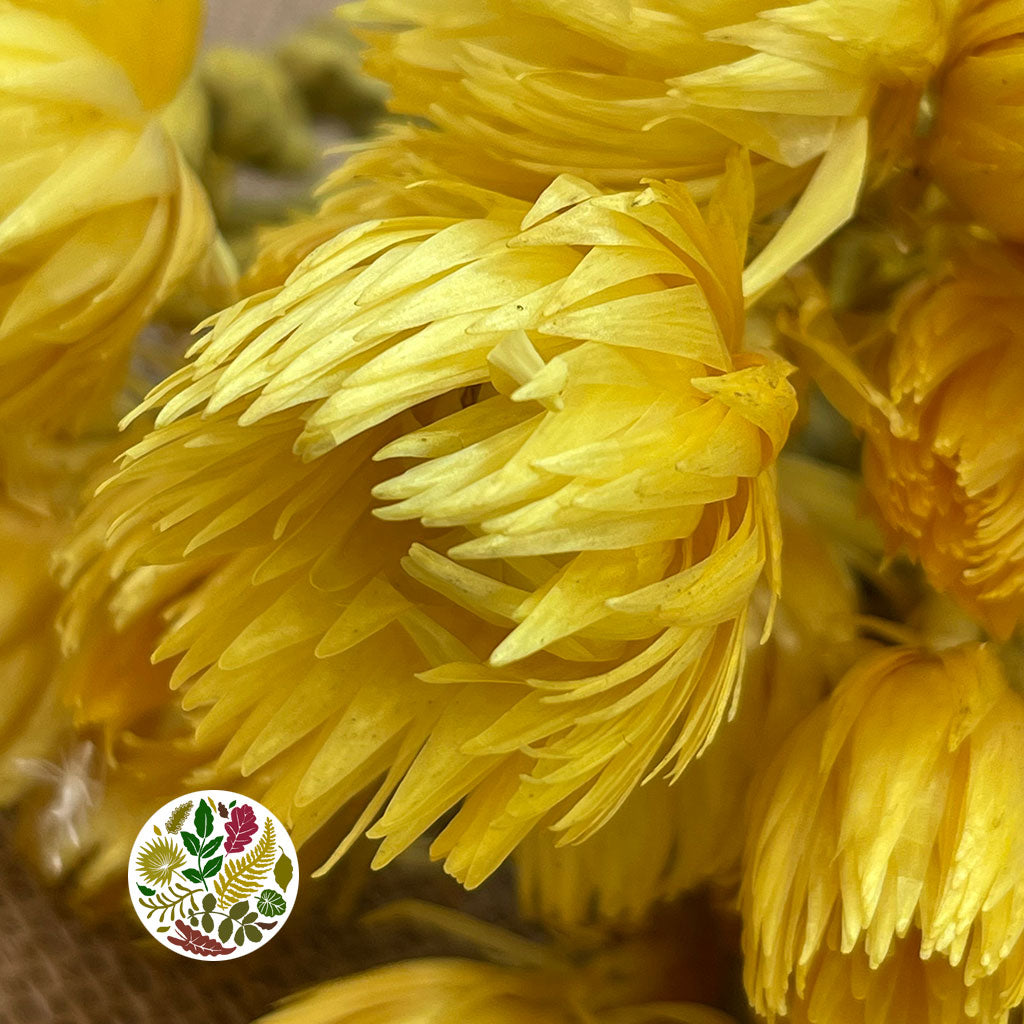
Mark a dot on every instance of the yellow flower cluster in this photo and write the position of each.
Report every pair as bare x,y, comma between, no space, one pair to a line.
472,520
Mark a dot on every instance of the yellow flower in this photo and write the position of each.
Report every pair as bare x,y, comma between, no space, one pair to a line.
99,217
670,838
636,982
884,875
30,709
944,470
602,636
976,150
616,92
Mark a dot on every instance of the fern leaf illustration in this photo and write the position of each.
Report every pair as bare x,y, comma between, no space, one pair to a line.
177,818
172,901
243,876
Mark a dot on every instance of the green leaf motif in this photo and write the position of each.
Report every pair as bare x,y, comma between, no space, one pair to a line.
209,901
203,820
192,875
224,931
244,876
283,872
211,867
271,903
239,910
145,891
207,922
164,928
239,937
253,934
211,847
191,842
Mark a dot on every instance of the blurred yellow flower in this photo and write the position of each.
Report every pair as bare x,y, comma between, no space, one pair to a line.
100,219
30,709
608,331
884,875
636,982
945,470
977,141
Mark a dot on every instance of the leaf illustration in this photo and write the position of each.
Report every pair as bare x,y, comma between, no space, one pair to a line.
252,934
239,910
203,820
194,941
164,928
243,876
158,859
172,902
191,842
283,871
224,931
271,903
192,875
177,818
222,810
210,848
240,829
211,867
267,925
145,891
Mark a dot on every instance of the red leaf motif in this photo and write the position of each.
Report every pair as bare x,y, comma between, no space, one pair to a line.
192,940
240,829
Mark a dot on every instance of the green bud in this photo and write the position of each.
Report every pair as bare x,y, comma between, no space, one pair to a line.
324,62
258,114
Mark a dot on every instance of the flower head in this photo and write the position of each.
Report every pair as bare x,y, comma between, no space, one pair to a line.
885,861
599,637
99,217
976,152
945,474
617,92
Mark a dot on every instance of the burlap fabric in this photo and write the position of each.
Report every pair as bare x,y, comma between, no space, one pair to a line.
57,967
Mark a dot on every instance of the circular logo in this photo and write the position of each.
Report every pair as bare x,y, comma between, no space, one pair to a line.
213,875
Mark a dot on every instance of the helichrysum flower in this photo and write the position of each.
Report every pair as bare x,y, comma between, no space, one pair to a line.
977,139
609,330
884,876
30,709
99,217
616,92
944,468
619,92
670,838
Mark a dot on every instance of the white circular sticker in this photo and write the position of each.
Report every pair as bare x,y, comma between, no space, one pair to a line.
213,875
